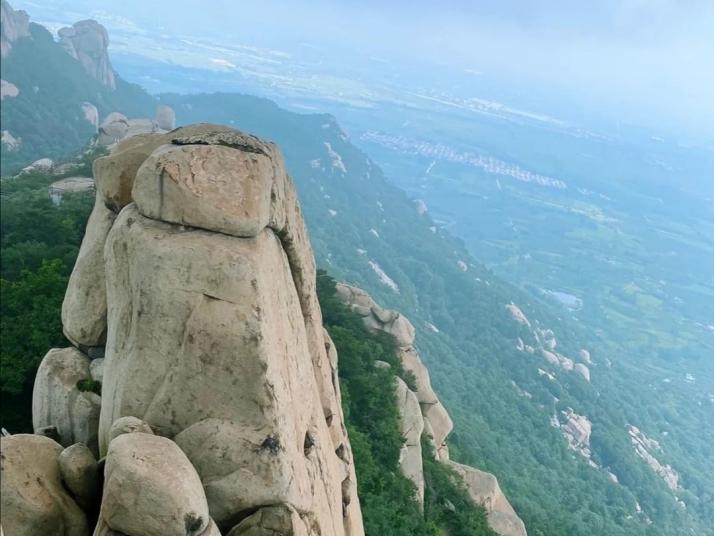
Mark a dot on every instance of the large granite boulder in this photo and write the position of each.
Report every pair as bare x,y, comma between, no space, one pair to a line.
84,309
214,333
87,42
58,403
211,187
33,500
151,488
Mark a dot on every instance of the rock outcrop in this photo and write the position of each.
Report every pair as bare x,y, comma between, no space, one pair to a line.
117,127
644,448
87,41
193,302
13,26
421,412
8,90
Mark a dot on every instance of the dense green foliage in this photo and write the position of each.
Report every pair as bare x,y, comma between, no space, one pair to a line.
47,114
389,506
39,242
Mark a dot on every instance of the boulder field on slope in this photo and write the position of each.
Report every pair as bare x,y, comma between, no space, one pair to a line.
421,412
194,295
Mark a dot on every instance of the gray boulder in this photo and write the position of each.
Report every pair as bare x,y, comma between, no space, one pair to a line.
80,473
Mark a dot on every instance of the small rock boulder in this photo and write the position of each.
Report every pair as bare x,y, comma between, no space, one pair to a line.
33,500
80,472
128,425
213,187
151,488
113,128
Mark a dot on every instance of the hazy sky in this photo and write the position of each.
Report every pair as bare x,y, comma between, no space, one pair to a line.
651,60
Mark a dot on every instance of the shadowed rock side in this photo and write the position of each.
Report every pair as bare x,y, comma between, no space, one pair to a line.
422,412
194,296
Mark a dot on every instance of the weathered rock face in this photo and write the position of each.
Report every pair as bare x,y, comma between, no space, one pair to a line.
13,26
33,499
195,288
87,41
57,401
421,412
84,309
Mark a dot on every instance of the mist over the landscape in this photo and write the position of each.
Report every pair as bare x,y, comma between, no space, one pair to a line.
641,62
357,268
